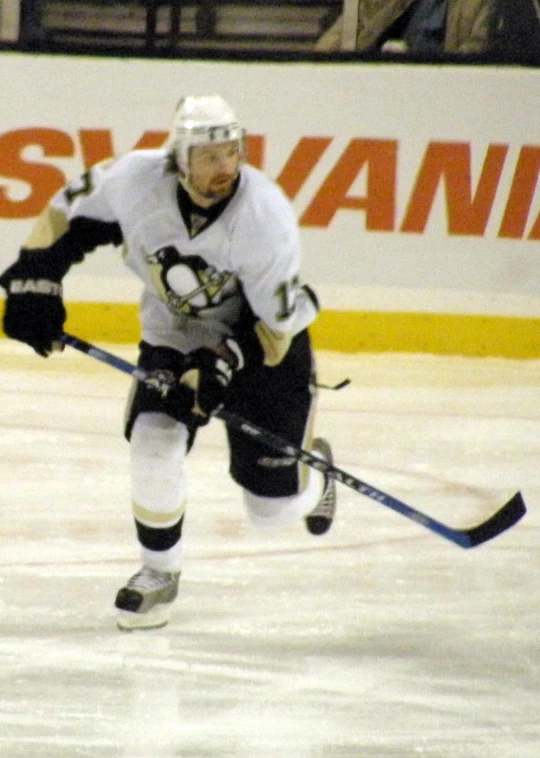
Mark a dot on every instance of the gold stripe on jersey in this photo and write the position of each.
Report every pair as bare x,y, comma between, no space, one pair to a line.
49,227
157,520
157,281
274,344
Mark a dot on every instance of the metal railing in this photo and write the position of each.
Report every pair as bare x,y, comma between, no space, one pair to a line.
167,24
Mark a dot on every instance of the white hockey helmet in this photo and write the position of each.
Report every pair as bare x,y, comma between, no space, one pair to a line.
202,120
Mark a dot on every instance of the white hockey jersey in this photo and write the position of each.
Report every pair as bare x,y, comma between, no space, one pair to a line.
195,285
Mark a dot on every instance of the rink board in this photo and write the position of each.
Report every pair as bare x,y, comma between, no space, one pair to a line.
415,186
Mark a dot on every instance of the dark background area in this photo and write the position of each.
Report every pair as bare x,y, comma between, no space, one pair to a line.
278,29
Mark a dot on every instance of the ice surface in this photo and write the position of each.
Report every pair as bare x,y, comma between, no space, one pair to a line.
379,640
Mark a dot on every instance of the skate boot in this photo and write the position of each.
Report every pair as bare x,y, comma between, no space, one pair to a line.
145,602
320,519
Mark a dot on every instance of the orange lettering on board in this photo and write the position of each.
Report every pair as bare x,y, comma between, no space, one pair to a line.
451,162
96,146
151,140
534,234
379,157
44,179
521,193
300,164
255,144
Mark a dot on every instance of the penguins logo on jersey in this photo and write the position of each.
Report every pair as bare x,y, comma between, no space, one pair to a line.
187,283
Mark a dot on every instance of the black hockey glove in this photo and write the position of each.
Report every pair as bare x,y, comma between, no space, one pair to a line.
208,375
34,311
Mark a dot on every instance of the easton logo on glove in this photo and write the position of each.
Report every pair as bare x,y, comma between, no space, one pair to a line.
35,286
34,312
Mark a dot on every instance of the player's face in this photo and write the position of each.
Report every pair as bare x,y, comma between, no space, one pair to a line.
213,170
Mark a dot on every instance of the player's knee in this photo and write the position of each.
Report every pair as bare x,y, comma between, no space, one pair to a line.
279,512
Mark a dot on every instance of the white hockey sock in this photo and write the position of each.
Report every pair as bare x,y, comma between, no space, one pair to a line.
164,560
158,483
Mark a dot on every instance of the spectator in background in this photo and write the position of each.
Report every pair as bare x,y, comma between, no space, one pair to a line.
32,20
516,31
418,26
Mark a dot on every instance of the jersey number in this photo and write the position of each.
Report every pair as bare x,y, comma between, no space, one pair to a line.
286,294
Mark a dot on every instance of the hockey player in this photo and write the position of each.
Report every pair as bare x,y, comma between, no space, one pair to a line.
223,312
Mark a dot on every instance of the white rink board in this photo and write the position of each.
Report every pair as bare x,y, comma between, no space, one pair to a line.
416,115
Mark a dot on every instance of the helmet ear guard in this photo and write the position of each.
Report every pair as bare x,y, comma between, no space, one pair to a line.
203,120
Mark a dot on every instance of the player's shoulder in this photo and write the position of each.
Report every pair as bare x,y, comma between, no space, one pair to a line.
256,183
260,194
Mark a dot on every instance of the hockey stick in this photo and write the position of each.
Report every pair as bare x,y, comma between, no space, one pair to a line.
499,522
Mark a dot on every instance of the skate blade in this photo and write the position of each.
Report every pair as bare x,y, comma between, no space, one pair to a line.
155,618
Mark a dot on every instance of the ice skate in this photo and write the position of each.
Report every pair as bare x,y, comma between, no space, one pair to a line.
320,519
145,602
